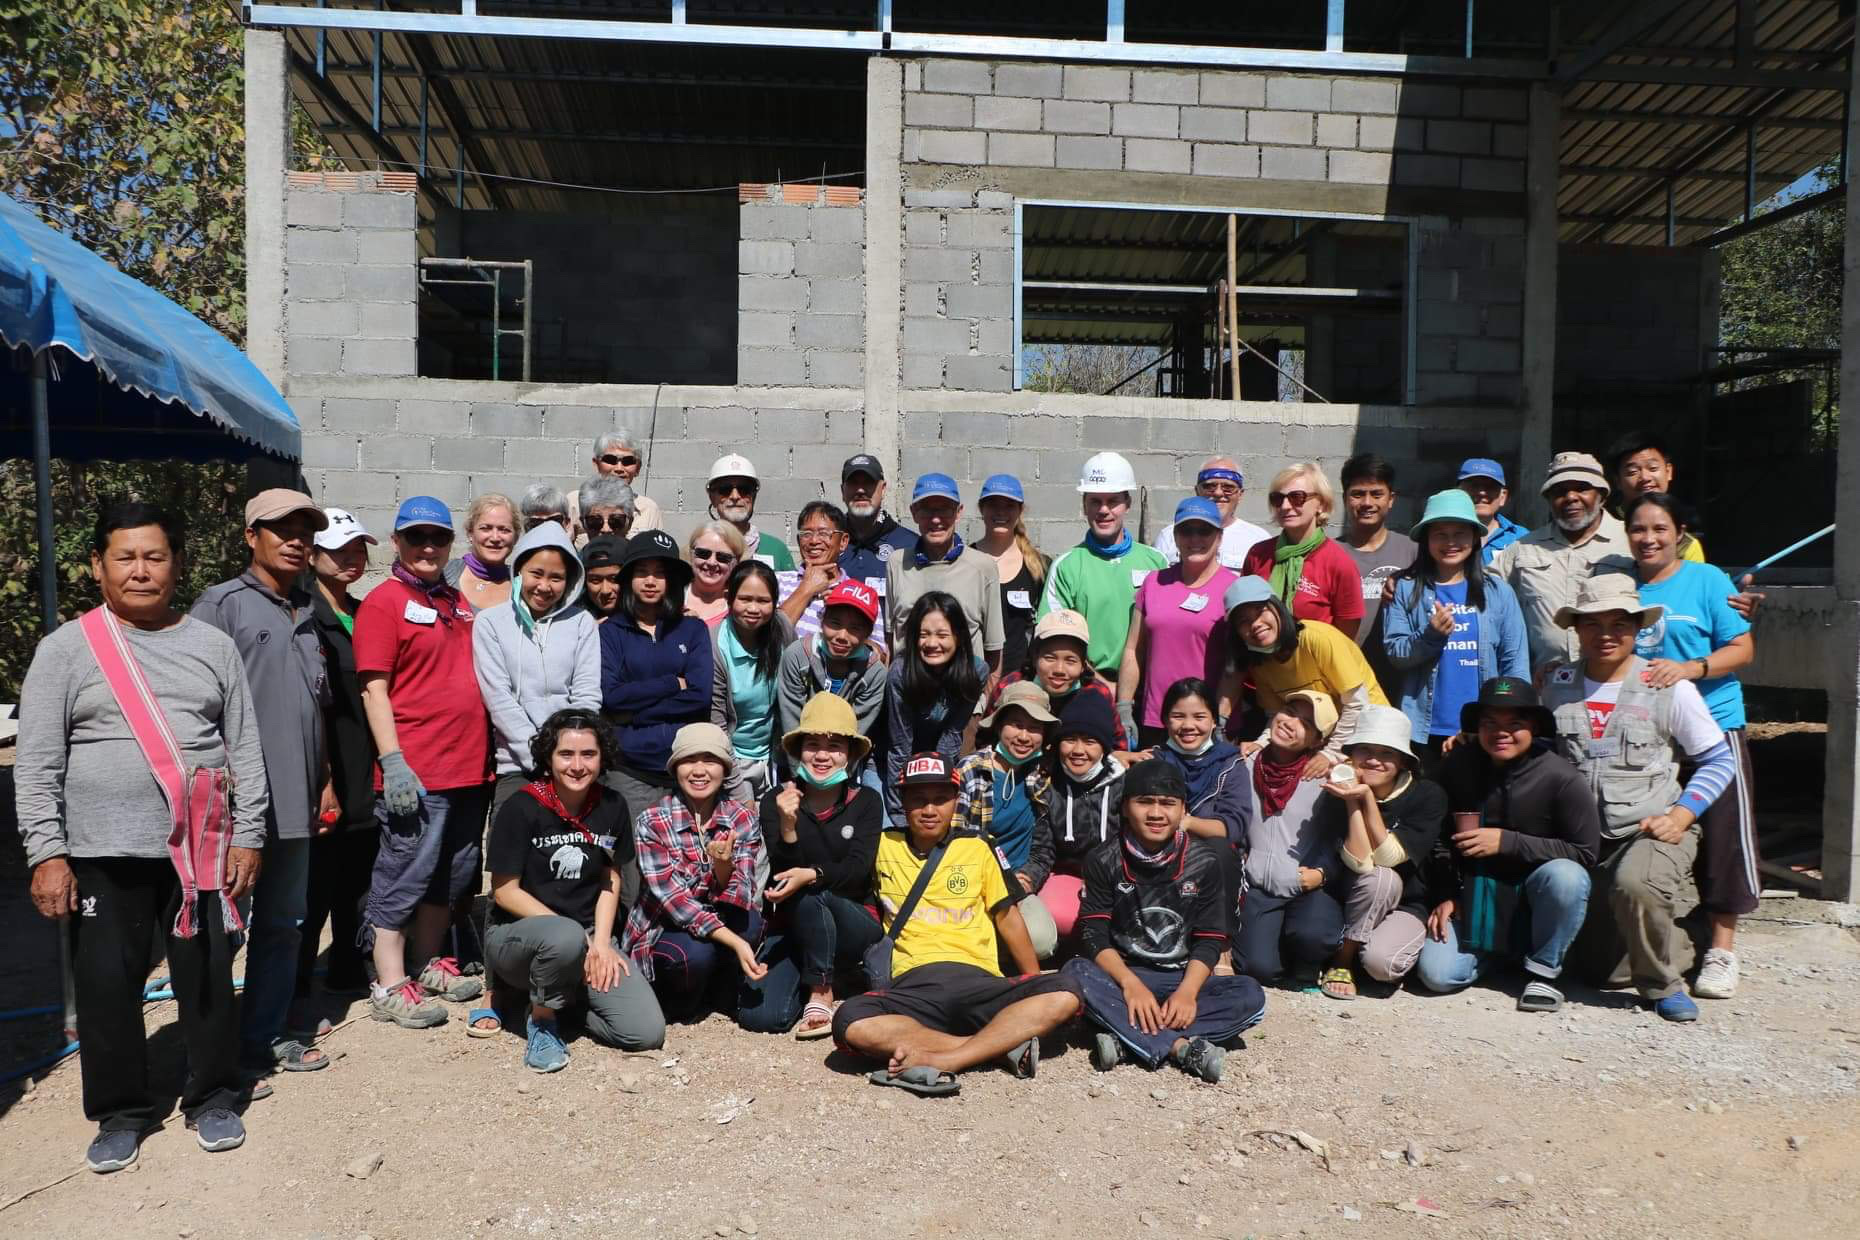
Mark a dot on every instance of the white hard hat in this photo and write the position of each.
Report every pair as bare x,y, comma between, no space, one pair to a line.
734,466
1107,472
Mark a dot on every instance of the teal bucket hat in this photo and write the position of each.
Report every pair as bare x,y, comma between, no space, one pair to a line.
1454,505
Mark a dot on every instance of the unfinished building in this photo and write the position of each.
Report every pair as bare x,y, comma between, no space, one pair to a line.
1432,230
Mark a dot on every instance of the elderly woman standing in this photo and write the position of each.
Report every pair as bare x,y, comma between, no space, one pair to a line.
616,456
482,574
136,728
541,502
714,549
1307,570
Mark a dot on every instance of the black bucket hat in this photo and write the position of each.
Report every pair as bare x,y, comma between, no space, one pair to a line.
656,545
1508,693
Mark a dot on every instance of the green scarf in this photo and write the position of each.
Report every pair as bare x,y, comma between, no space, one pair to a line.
1288,564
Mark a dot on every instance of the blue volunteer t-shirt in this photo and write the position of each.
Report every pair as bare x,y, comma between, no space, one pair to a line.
1698,620
1456,676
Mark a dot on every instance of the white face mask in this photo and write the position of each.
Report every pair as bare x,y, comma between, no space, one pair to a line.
1192,753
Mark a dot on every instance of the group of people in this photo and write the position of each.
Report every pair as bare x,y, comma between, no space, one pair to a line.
930,798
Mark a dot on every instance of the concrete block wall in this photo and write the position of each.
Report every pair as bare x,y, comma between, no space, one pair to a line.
351,270
981,134
368,445
801,293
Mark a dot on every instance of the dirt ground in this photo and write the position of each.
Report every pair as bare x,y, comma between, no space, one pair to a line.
1596,1121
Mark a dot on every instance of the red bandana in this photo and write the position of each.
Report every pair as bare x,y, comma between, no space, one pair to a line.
544,791
1274,782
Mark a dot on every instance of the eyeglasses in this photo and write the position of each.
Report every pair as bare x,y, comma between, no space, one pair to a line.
705,553
609,458
595,522
734,486
1219,490
1297,499
813,536
560,518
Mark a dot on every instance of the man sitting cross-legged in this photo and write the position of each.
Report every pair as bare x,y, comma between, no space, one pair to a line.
947,1006
1153,921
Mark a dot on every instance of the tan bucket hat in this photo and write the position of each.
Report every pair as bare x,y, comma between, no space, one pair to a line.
1604,593
1029,697
701,739
827,714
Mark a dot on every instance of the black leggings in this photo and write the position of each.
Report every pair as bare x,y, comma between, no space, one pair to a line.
1277,932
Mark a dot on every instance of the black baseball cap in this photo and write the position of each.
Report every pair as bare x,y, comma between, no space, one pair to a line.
927,768
1508,693
862,463
603,552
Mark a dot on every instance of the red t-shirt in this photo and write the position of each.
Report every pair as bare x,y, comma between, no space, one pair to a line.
423,647
1330,588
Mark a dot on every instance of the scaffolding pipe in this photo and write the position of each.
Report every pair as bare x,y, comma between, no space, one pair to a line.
1233,303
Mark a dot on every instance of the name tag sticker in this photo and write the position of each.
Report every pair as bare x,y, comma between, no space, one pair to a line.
1195,602
1372,590
416,614
1607,747
877,584
1020,599
1137,575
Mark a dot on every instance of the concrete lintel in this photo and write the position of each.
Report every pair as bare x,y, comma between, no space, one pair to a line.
884,257
1258,412
615,395
1540,259
267,151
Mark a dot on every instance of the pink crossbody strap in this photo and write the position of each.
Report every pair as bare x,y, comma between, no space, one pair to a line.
200,837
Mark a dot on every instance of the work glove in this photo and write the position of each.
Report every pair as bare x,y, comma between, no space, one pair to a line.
1127,719
400,787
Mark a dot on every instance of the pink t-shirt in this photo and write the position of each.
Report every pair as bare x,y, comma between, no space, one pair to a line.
1330,588
1180,634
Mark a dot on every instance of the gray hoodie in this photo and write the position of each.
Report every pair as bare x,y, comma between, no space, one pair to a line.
526,677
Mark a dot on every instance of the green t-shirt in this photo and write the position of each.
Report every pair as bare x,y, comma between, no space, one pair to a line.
773,552
1102,590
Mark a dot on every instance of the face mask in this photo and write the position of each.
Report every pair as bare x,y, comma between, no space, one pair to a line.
820,781
1192,753
1011,760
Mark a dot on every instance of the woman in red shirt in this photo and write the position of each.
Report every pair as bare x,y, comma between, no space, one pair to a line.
1308,571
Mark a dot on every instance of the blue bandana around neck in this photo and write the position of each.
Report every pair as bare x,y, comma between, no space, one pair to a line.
1109,551
924,561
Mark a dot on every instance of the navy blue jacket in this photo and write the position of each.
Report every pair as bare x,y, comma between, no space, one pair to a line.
865,560
639,685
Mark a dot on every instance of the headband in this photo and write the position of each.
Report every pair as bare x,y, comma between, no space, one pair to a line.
1221,475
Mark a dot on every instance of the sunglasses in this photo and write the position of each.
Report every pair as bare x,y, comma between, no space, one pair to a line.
1219,490
705,553
425,536
1297,499
595,523
609,458
734,486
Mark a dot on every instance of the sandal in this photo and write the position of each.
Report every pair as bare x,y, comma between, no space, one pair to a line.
1539,997
1338,982
923,1080
290,1055
472,1018
816,1022
1024,1060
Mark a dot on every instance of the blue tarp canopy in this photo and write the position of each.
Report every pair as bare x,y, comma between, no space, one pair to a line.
133,375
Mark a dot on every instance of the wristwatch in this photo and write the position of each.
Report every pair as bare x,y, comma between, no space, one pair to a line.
1704,667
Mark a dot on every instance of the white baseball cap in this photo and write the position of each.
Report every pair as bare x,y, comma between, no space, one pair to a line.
734,466
342,530
1105,473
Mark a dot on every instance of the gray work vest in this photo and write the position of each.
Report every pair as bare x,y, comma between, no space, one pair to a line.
1633,767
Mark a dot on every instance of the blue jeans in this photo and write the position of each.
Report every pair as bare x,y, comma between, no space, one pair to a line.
690,973
274,927
1557,894
1225,1008
824,932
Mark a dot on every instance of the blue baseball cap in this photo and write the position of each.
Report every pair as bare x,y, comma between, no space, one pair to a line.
1007,486
1247,589
936,486
1198,508
1483,467
422,510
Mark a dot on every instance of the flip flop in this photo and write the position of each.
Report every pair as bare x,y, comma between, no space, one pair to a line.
1337,982
919,1080
806,1031
1024,1060
477,1014
288,1055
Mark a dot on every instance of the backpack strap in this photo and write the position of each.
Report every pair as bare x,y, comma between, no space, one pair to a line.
909,906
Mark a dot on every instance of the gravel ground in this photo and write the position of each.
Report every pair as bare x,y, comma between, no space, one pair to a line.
1336,1119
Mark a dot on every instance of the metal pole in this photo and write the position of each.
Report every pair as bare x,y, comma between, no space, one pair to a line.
497,308
1469,27
322,45
1233,303
423,86
1114,21
1219,380
1333,26
42,484
1750,172
1672,220
528,280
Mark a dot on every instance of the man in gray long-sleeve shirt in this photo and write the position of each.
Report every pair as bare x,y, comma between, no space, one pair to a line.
268,614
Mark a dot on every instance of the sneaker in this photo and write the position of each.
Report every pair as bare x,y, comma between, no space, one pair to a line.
217,1128
406,1004
1201,1058
441,977
1717,976
544,1051
1106,1052
112,1150
1677,1007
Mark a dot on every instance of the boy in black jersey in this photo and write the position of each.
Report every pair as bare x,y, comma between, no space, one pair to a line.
1152,928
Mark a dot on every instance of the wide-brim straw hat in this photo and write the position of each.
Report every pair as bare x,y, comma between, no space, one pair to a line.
1606,592
827,714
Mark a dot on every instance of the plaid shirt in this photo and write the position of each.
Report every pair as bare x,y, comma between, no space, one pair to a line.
975,793
679,884
1093,683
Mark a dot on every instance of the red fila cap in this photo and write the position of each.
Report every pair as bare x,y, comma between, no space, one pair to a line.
856,594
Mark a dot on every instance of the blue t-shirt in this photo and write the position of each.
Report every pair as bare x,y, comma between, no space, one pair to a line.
1456,676
1698,620
754,695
